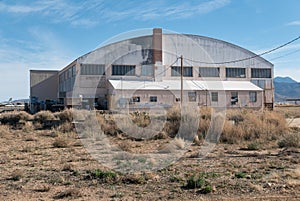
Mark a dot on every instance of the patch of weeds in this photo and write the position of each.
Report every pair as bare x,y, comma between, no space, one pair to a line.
16,175
199,181
290,140
175,179
253,146
207,189
69,193
75,173
142,160
256,176
240,175
196,181
60,142
105,176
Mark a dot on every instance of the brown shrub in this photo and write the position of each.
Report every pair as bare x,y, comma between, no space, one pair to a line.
141,119
65,115
248,125
174,114
15,117
60,142
66,127
171,128
107,124
290,140
43,116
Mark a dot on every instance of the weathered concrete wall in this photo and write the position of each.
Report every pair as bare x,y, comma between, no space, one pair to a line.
44,84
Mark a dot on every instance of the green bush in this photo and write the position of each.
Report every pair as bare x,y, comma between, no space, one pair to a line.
196,181
105,176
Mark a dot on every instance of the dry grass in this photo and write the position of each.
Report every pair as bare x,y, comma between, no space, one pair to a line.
173,146
247,125
66,115
4,131
43,116
290,140
69,193
61,142
15,117
69,173
141,119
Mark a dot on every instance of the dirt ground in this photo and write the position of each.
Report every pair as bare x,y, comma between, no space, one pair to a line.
33,168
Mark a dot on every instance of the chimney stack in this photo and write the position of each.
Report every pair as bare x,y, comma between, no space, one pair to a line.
157,45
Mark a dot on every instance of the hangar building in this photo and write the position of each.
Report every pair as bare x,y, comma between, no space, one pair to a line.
159,70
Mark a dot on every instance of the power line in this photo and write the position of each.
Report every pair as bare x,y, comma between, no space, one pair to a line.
168,67
247,58
285,55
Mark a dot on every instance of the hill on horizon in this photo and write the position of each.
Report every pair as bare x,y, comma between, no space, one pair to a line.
286,87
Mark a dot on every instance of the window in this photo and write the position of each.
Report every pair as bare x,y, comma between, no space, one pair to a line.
74,71
192,96
214,96
135,99
153,98
123,70
92,69
187,71
69,73
261,73
253,97
234,98
235,72
209,72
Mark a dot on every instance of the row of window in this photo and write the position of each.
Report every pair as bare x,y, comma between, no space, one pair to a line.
130,70
215,72
192,97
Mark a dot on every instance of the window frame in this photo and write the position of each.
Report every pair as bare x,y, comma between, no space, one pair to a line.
192,96
209,72
261,73
123,70
92,69
236,95
214,96
187,71
235,72
153,99
252,96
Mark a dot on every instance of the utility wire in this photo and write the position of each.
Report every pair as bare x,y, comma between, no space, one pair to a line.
168,67
248,58
285,55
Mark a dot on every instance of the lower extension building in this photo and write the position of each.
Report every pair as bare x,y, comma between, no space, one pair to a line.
158,70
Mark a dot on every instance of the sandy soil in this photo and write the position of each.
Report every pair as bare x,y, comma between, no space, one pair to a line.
32,168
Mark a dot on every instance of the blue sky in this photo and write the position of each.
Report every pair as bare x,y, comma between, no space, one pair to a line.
49,34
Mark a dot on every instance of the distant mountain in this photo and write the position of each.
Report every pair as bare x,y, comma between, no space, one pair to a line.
284,80
286,87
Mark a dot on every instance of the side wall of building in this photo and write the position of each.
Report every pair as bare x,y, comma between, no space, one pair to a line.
44,84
